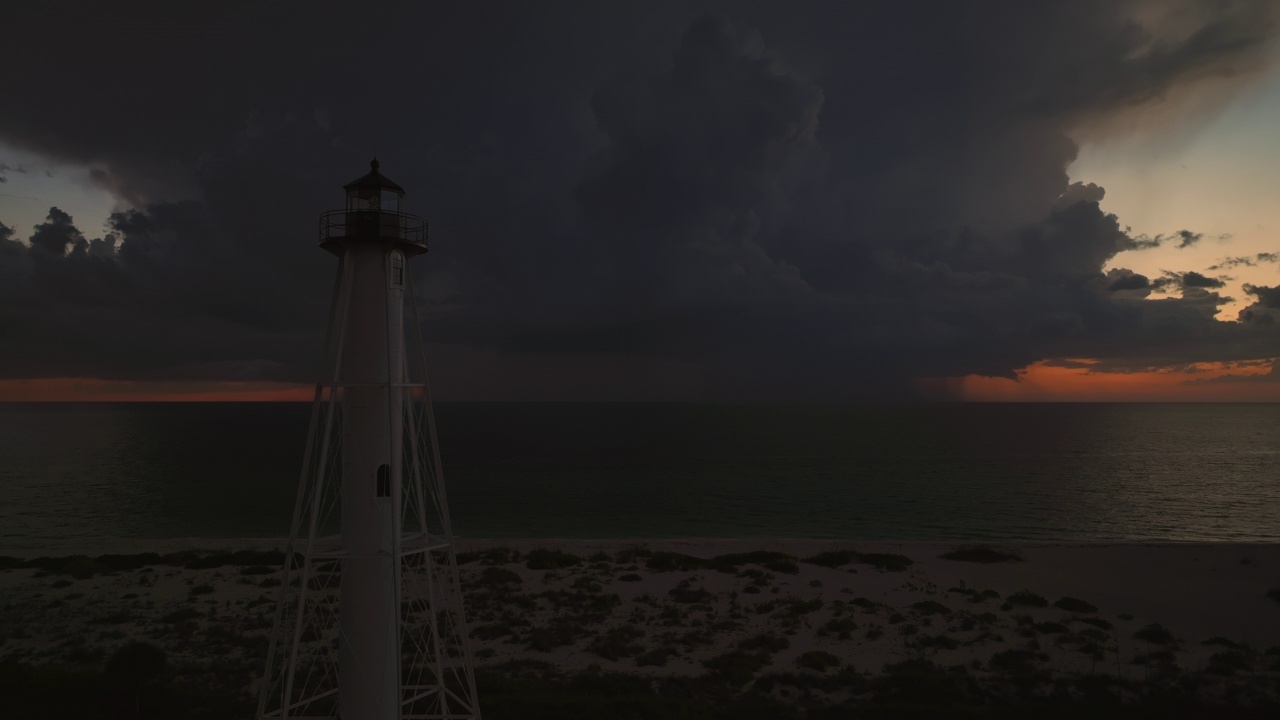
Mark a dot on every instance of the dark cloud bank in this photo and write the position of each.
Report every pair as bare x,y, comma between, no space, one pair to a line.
686,200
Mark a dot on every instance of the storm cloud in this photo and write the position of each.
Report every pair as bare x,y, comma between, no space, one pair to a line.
687,200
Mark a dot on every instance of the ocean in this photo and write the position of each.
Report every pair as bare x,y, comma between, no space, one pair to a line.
74,477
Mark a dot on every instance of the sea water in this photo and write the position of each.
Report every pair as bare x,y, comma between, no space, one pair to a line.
78,476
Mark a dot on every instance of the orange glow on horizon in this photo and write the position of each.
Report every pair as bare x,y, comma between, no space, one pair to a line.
1046,381
96,390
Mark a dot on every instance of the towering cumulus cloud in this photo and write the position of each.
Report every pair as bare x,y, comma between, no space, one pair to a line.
693,200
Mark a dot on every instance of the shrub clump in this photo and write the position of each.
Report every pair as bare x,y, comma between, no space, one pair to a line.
737,666
1015,662
545,559
1028,598
832,558
770,643
819,660
1155,634
884,562
618,642
685,592
931,607
1075,605
981,554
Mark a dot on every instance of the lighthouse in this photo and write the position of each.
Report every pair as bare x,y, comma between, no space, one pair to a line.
369,620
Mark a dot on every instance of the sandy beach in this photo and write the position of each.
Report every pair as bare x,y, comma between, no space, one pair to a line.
818,623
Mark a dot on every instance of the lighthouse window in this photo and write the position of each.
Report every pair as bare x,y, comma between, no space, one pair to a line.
384,481
397,270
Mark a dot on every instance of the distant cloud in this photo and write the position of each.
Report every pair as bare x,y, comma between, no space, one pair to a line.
1195,279
809,201
1183,239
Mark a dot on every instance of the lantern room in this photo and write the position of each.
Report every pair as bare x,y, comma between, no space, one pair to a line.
374,211
373,192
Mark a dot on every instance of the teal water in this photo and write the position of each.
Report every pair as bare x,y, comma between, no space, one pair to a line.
76,475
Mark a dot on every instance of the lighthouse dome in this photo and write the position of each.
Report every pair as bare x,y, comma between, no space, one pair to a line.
373,191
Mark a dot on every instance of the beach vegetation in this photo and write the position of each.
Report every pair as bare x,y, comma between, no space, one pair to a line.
657,657
757,576
665,561
895,618
816,583
915,682
751,589
1274,594
269,582
776,561
885,562
874,632
182,614
686,593
1155,634
766,607
1050,628
841,627
600,557
832,558
1163,659
1228,662
631,554
1027,598
908,629
491,556
1095,634
737,666
114,618
1016,662
938,642
201,589
549,637
618,642
796,608
195,561
586,584
1075,605
494,631
767,641
499,577
550,559
1100,623
1227,643
931,607
982,554
817,660
630,577
786,567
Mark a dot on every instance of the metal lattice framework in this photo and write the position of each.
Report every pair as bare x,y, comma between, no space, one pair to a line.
437,680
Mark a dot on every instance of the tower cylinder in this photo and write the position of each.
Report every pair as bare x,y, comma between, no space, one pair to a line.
373,371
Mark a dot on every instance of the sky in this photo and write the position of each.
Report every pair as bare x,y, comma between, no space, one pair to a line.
695,201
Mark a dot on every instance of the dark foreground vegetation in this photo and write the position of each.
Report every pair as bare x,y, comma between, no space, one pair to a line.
136,684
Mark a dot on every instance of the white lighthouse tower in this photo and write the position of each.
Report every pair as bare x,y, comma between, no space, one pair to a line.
370,622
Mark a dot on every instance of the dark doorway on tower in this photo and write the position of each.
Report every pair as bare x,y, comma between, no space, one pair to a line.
384,481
